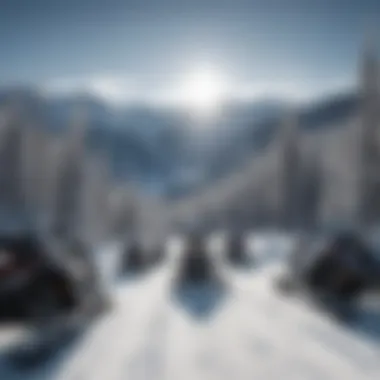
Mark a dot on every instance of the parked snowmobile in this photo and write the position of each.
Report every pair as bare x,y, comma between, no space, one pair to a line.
134,258
235,249
34,283
196,264
338,268
157,254
199,286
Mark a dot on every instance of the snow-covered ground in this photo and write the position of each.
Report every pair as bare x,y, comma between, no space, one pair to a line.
245,331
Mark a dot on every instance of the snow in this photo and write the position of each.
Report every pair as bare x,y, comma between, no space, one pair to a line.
247,331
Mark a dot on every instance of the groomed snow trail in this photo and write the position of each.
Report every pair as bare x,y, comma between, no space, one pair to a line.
250,332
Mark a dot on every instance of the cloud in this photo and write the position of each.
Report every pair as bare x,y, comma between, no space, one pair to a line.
120,89
301,91
112,88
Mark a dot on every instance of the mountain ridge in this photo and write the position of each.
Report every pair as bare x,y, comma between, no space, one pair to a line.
151,145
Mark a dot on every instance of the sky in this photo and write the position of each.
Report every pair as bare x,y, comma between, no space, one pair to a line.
130,49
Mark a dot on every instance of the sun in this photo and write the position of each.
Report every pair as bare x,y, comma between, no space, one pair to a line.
203,91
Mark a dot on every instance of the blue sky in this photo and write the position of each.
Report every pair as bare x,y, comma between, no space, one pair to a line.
301,47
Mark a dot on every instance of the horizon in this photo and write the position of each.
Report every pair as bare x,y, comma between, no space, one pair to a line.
92,92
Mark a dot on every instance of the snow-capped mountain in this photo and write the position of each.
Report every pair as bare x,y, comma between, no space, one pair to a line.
162,150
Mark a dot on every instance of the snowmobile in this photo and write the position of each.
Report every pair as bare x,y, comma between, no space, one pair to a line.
199,286
236,250
196,264
335,271
157,255
49,286
34,283
134,258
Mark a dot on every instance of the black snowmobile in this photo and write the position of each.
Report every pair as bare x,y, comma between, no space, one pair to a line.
334,270
134,258
50,286
235,249
199,287
157,255
40,277
196,264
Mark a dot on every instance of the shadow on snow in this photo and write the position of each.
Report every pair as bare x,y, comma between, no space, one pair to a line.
201,300
40,356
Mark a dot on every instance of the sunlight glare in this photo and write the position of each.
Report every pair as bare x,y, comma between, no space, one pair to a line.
203,91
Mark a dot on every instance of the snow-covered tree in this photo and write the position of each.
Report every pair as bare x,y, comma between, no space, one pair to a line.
95,198
11,165
71,179
288,172
368,139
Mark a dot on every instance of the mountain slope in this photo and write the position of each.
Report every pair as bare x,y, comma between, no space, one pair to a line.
155,146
